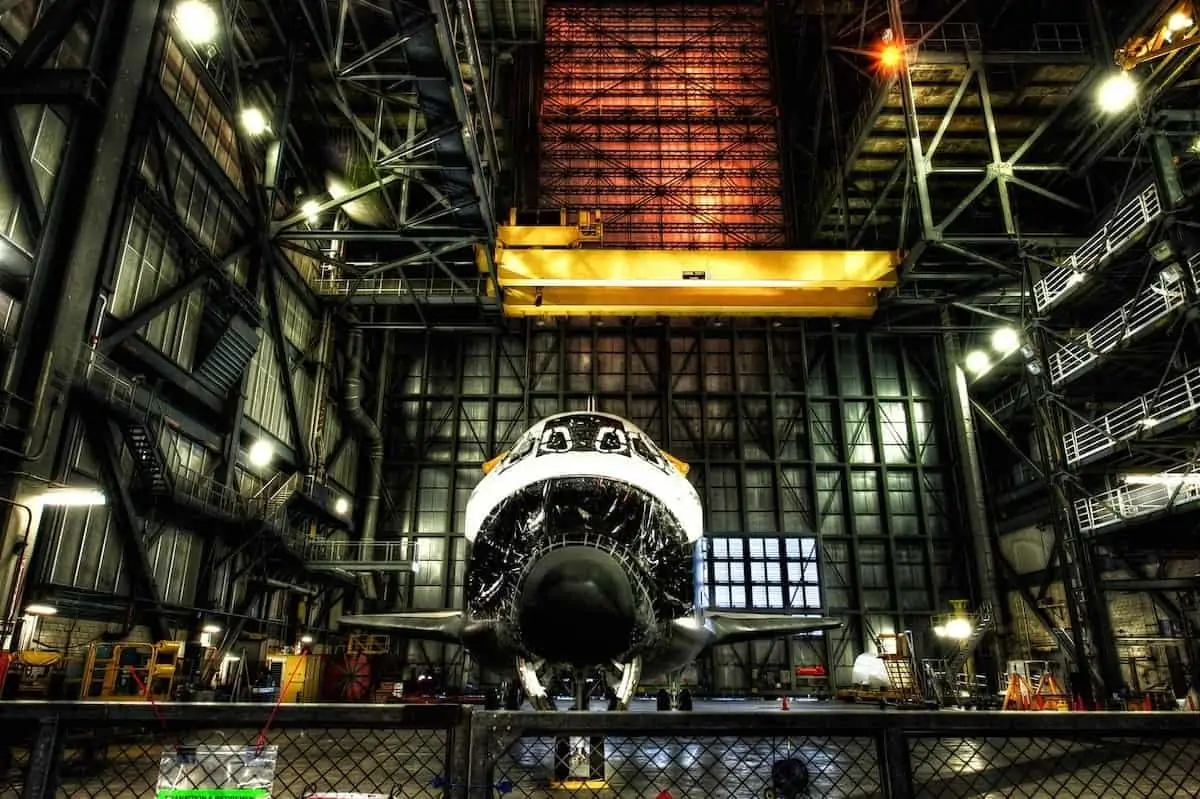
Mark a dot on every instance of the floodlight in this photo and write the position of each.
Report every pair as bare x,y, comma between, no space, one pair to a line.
1116,92
891,56
977,362
38,609
71,498
254,121
197,21
311,210
1179,21
1005,340
261,453
306,639
211,629
958,628
341,506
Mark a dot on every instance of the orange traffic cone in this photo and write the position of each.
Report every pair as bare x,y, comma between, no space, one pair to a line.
785,705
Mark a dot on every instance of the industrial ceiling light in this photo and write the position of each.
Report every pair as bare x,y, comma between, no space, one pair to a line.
38,609
1164,479
311,210
254,122
197,21
71,498
977,362
306,639
341,506
1005,340
1179,21
261,453
1116,92
211,629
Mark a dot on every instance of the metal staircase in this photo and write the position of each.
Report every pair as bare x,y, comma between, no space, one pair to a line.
149,464
984,619
231,321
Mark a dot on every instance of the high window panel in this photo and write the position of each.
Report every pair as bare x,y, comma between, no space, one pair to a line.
661,117
764,573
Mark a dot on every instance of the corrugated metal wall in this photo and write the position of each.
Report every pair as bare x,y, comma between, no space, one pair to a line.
819,456
173,207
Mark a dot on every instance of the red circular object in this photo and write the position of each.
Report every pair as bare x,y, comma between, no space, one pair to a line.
347,678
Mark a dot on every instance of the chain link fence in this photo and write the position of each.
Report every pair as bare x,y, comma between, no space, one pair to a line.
181,751
832,753
123,751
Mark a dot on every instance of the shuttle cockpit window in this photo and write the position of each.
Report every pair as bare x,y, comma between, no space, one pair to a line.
556,438
645,451
610,439
523,447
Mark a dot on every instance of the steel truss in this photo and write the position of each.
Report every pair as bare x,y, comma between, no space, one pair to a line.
1098,403
662,118
791,431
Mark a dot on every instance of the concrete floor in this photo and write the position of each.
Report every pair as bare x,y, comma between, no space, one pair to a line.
407,764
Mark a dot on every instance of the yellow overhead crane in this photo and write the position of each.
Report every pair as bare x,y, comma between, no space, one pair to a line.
560,270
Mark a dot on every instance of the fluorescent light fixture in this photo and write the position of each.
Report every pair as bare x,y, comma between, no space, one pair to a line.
261,453
253,121
1163,479
311,210
211,629
39,609
1116,92
977,362
341,506
306,639
1005,340
72,498
197,21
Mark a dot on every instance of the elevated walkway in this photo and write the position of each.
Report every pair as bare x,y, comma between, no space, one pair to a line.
1147,416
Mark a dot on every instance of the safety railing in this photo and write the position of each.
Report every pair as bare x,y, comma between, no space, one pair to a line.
1167,491
112,385
1126,225
1144,416
947,37
1059,37
117,750
360,556
1121,327
407,289
1010,400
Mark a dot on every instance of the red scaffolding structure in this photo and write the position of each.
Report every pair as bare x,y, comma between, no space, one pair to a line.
662,118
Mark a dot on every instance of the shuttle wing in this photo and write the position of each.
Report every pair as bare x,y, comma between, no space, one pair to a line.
732,628
445,626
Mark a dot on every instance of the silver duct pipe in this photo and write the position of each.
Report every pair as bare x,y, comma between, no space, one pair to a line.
370,435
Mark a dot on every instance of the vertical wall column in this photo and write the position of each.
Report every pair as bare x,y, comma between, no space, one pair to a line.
962,423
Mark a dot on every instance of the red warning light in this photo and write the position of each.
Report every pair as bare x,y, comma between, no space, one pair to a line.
890,56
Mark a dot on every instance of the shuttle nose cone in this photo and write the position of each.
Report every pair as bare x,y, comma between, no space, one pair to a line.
577,606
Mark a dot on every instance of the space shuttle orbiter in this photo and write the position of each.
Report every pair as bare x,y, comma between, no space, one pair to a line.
583,554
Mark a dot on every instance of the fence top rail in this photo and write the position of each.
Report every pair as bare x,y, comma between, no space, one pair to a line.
179,715
856,722
851,722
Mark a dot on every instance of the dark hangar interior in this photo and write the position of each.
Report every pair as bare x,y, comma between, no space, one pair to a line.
909,286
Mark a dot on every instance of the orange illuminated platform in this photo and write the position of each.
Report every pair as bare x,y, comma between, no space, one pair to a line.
609,282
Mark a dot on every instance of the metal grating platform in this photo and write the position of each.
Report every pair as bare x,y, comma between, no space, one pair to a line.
1146,416
1124,228
1123,326
1126,502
